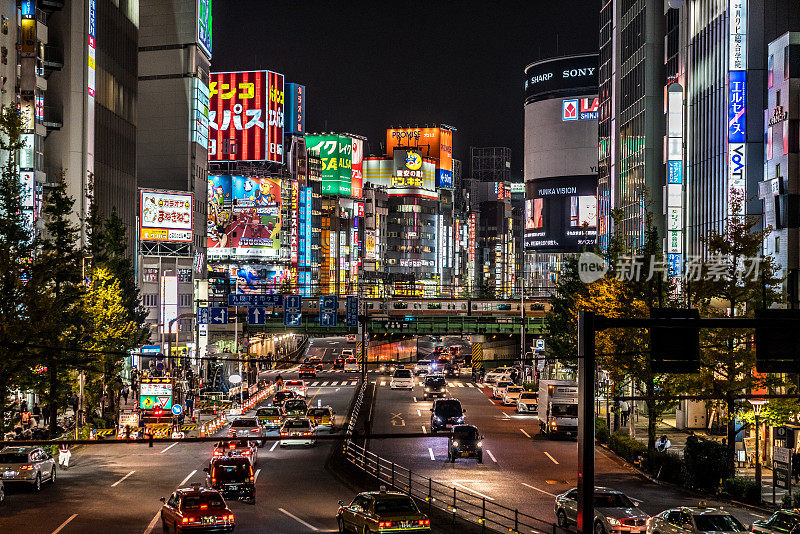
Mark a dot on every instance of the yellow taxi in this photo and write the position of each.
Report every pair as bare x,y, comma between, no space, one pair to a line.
271,417
322,417
382,511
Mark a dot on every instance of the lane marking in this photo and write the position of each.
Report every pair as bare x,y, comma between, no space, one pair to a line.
451,385
168,448
491,455
64,524
526,434
185,480
537,489
334,382
551,458
424,431
307,525
419,413
255,476
415,399
152,523
459,384
478,493
314,383
506,415
383,382
469,385
123,478
430,451
324,383
274,444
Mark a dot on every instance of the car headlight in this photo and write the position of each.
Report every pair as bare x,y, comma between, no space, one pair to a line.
455,444
427,389
480,444
523,406
614,522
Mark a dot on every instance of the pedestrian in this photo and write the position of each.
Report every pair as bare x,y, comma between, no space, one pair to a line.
278,382
514,376
75,404
45,414
127,431
64,455
624,410
23,406
26,419
663,443
483,374
125,392
36,411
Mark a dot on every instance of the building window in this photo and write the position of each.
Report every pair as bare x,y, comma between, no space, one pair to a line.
785,62
770,69
785,128
769,143
185,301
150,274
777,245
5,25
778,97
778,171
150,299
184,275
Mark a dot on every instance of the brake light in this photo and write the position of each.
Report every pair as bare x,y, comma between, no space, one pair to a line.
284,434
186,519
27,467
203,506
230,517
256,429
213,480
424,522
246,452
385,524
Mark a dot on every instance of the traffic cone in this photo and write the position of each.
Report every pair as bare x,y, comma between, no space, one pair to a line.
202,431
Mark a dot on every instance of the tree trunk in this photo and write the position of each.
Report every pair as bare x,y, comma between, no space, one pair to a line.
614,405
731,444
652,416
51,369
3,397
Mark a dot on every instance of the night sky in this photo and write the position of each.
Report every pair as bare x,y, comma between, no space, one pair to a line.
368,66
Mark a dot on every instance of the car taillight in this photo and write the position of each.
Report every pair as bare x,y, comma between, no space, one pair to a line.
246,452
424,522
27,468
284,434
385,524
186,519
230,517
213,480
256,429
203,506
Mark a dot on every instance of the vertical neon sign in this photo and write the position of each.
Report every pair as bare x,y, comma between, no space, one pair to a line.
737,104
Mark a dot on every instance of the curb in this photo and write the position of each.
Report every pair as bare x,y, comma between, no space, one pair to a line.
615,458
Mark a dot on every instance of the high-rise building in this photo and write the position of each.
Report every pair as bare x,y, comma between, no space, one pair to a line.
490,164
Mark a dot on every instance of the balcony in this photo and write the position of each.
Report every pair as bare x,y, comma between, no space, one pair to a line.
53,59
53,117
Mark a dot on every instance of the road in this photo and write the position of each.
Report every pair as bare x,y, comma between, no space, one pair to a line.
521,469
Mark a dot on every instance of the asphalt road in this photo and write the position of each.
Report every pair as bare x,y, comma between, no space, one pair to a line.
521,469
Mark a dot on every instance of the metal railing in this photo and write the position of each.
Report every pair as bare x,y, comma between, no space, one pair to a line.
355,411
460,503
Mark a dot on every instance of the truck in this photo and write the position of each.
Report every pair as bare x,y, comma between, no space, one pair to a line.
558,408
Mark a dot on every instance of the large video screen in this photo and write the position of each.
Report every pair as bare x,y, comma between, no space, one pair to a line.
561,213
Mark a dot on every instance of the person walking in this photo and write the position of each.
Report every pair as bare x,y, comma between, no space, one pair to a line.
75,403
45,415
64,455
624,410
125,392
26,419
36,411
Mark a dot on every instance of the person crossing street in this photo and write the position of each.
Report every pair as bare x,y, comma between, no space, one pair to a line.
64,455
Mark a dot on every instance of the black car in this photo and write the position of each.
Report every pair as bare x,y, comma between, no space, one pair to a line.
445,414
282,396
465,442
233,477
435,386
451,370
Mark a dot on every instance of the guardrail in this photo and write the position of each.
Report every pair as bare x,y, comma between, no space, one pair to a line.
460,503
356,409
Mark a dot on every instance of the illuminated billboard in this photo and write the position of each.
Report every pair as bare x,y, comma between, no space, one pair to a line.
412,175
165,216
204,24
434,143
335,151
246,116
561,213
244,216
155,393
356,168
295,118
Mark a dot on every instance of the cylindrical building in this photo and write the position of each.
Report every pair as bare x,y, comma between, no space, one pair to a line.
561,109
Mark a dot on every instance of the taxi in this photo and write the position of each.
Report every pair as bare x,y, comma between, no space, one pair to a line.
322,417
282,396
382,511
297,386
196,509
248,449
316,361
271,417
308,369
295,408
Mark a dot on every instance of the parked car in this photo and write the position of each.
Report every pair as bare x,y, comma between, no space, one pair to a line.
446,413
614,512
196,509
465,442
694,520
27,465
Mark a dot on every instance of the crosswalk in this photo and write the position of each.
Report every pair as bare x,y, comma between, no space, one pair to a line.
332,383
449,384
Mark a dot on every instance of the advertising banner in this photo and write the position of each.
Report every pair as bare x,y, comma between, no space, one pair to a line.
295,119
243,216
335,151
294,232
204,26
352,311
357,176
165,216
570,75
412,175
369,239
561,213
169,303
737,100
246,116
155,393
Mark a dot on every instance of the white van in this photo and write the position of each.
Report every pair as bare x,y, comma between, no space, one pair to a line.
402,379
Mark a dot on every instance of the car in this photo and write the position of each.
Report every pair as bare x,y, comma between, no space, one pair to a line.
510,395
246,427
27,465
338,363
299,431
500,388
387,368
350,338
348,353
298,386
317,362
614,512
500,373
422,367
402,379
445,413
295,408
434,386
451,369
528,402
196,509
270,417
376,511
237,447
307,369
694,520
781,522
465,442
351,365
282,396
322,417
233,477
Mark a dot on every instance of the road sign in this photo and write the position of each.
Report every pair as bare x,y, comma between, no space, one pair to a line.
219,315
352,311
328,310
177,409
540,344
782,464
203,315
255,300
292,310
256,316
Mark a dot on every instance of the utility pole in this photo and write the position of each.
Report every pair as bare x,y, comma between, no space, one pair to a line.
586,368
362,308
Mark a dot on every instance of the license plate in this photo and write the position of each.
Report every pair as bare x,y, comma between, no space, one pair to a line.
405,524
233,487
209,519
10,474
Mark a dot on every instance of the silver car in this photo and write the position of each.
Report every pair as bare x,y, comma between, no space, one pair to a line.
30,465
247,427
781,522
694,520
614,512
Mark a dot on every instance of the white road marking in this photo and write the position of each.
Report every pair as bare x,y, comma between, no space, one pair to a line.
491,455
526,434
551,458
383,382
334,383
469,385
415,399
459,384
168,448
307,525
314,383
114,485
190,475
64,524
324,383
479,494
506,415
152,523
451,385
537,489
430,451
419,413
424,431
274,444
255,476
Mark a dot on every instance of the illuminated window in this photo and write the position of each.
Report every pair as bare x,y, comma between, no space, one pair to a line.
5,25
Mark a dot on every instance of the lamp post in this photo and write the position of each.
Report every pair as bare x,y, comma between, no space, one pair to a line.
757,405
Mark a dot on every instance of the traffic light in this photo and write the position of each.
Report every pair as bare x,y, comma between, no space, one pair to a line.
675,349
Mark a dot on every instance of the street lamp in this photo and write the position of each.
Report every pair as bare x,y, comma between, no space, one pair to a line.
757,405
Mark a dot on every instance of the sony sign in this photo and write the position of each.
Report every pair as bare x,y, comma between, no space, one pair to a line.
570,75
